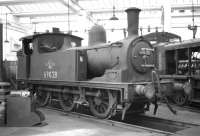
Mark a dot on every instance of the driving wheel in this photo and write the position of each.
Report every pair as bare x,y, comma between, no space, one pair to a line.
102,105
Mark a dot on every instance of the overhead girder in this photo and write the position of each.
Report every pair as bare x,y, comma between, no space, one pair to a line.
21,2
76,9
185,7
74,6
105,11
42,14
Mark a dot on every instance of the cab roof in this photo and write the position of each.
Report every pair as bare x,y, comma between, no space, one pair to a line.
184,44
161,37
31,37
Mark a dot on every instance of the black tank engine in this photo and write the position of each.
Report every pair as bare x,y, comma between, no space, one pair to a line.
106,77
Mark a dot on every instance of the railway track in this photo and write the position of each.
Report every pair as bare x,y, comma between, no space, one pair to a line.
191,108
141,122
159,123
188,108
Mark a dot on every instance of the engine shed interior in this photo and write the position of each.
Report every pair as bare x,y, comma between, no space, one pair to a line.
99,67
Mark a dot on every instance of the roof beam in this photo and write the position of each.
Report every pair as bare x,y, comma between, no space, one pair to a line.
21,2
49,21
68,5
9,8
186,16
76,8
185,7
42,14
104,11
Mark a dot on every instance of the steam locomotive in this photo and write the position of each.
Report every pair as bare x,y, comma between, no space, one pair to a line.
106,77
179,62
182,66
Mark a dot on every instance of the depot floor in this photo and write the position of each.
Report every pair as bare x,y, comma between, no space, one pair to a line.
61,124
182,115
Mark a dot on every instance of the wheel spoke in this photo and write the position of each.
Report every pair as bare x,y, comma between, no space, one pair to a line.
42,98
180,99
101,109
104,107
98,108
66,101
105,103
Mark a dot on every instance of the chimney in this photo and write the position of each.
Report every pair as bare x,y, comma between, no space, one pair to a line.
133,20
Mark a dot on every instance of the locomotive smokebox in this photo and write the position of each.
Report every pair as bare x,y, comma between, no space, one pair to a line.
97,35
133,20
